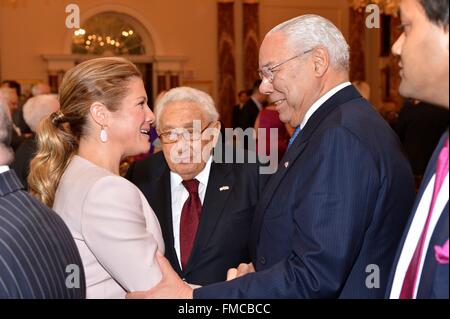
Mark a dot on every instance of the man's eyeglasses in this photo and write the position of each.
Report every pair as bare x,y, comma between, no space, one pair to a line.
188,135
268,71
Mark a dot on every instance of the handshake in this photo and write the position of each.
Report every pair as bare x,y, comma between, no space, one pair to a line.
171,286
241,270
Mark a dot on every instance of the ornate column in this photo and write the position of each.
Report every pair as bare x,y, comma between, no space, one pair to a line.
356,43
250,41
226,60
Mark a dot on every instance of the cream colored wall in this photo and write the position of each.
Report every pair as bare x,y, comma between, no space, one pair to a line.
273,12
38,27
372,66
179,27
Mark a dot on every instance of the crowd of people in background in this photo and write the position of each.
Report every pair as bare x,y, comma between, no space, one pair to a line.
418,124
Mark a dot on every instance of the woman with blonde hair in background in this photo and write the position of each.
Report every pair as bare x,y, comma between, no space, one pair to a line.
104,117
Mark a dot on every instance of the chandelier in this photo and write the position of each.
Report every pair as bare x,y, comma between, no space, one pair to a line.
107,33
92,42
388,7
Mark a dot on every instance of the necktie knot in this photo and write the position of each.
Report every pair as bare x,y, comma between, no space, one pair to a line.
191,186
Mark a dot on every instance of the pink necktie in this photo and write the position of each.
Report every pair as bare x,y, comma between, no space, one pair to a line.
411,275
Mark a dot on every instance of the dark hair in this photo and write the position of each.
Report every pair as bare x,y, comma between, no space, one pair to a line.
13,85
436,11
242,92
256,85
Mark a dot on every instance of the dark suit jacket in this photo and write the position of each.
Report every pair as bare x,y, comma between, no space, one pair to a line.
236,116
222,236
248,114
36,248
24,155
16,140
434,279
337,204
420,127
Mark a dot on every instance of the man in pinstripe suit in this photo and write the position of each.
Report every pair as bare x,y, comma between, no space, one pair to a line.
38,257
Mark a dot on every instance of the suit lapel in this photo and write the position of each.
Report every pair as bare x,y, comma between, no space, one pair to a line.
429,172
274,181
212,210
440,235
163,209
293,153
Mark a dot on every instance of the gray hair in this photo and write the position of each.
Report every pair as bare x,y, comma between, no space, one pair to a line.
40,89
190,95
6,95
6,153
312,31
39,107
4,105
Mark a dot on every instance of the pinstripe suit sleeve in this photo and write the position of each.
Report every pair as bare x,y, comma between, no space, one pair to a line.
35,247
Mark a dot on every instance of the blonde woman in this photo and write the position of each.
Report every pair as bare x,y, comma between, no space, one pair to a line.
104,117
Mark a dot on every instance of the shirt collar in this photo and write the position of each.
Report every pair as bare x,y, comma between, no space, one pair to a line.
202,177
4,168
322,100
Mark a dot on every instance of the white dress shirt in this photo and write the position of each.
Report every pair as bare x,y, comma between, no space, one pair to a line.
414,232
179,197
4,168
320,101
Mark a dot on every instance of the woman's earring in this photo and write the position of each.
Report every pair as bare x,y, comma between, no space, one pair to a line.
103,135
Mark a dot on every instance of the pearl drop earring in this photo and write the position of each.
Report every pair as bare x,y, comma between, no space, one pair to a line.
103,135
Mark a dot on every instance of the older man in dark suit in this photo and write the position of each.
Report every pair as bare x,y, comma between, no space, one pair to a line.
38,257
205,206
329,220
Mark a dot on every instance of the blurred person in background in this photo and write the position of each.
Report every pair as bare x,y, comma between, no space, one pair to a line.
34,111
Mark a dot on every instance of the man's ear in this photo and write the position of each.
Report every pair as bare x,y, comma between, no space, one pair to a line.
321,60
99,113
217,125
213,132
